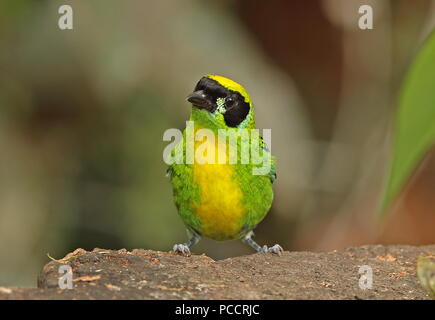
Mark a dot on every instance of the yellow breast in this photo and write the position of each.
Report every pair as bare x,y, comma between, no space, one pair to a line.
220,210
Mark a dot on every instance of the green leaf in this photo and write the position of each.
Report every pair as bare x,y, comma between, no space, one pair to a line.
414,131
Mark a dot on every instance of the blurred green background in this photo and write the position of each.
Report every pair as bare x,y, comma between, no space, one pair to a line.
83,111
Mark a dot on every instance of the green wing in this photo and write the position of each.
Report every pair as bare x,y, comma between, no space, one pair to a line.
257,189
272,172
185,191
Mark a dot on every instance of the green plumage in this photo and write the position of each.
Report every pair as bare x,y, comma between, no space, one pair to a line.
256,189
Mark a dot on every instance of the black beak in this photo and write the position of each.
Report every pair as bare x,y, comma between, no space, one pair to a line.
199,99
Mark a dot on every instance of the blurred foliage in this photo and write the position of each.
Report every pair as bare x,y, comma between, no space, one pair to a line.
426,274
414,132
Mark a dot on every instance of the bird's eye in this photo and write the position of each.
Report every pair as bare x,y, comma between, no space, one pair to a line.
229,102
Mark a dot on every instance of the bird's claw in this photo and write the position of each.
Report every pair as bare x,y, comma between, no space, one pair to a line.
276,249
181,248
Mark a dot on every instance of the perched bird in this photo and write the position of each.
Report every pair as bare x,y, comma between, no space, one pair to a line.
222,201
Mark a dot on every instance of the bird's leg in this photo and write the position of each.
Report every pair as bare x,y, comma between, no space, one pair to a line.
183,248
274,249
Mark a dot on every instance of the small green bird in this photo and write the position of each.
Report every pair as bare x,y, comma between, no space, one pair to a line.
222,200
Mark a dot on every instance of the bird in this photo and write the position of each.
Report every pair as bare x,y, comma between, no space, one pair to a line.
221,200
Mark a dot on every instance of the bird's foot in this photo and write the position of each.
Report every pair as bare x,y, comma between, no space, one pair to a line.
276,249
181,249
